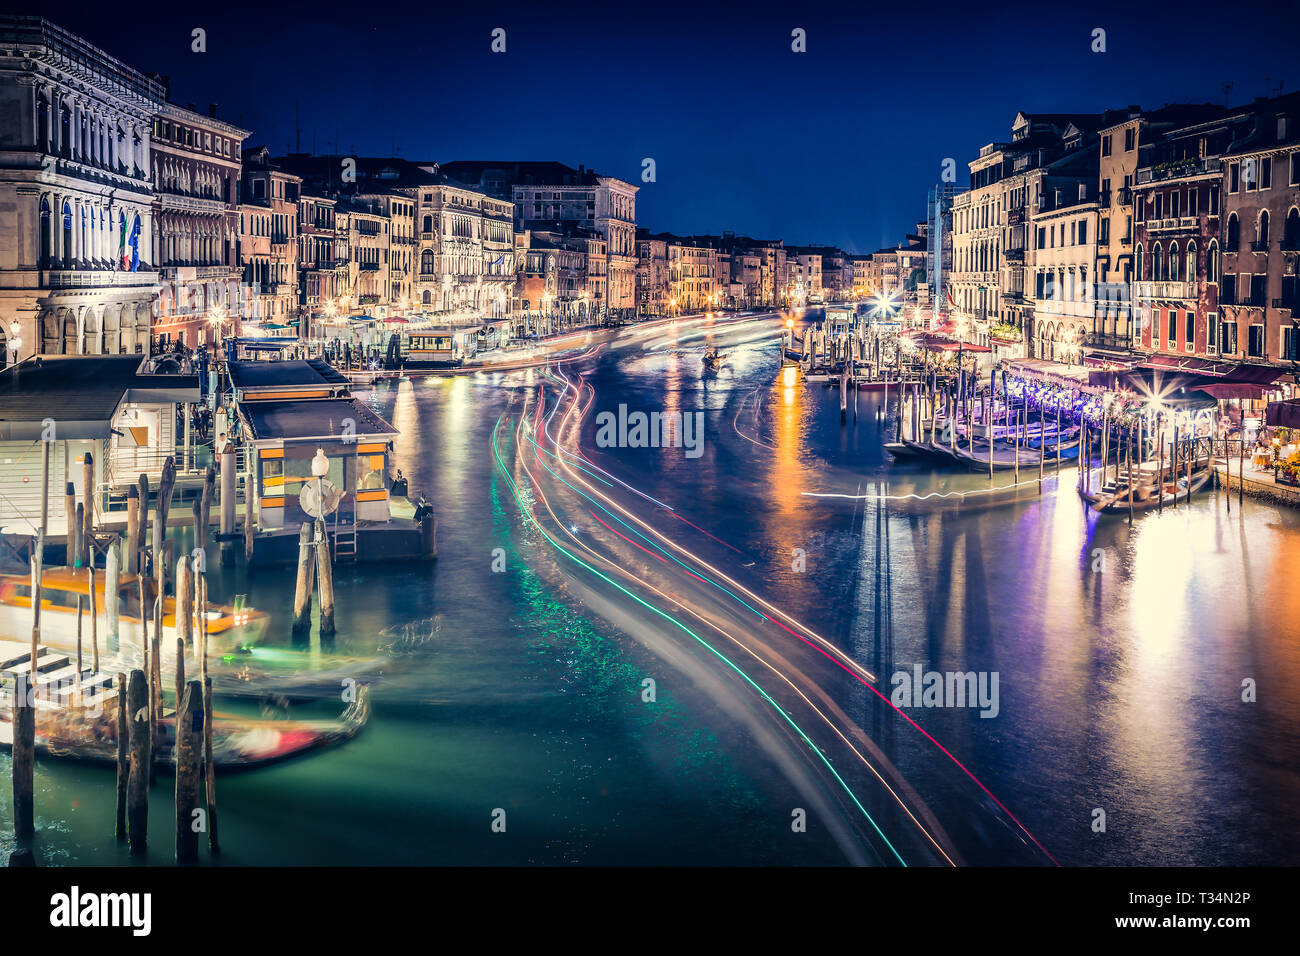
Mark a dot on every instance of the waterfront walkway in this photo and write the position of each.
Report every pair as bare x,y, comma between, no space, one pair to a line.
1258,483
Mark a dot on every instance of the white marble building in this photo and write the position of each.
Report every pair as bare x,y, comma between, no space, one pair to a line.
76,269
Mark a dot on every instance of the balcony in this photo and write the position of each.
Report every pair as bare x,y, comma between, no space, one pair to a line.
1125,195
1150,291
1179,169
1181,224
96,278
1259,245
1014,255
1113,341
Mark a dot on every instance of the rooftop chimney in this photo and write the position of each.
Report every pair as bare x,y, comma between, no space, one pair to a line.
212,110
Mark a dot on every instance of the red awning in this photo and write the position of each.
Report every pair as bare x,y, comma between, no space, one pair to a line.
938,343
1250,382
1221,379
1286,414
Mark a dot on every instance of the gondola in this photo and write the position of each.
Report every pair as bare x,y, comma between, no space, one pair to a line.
88,734
1113,499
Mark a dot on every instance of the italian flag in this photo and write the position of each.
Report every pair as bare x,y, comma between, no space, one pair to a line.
123,250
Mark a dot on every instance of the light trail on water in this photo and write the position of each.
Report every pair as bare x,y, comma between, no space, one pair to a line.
546,437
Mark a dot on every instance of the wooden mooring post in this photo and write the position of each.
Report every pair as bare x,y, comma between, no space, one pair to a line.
141,761
88,498
112,585
24,716
123,756
325,580
228,484
209,764
189,760
74,525
303,585
132,528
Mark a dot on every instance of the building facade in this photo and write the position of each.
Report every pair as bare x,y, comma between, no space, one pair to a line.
273,191
195,161
77,274
1259,293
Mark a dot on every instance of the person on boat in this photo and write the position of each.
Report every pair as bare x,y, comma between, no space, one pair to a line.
399,489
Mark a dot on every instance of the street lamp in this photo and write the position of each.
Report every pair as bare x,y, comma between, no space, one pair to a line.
15,341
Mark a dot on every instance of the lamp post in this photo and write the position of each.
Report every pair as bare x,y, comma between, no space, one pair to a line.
15,342
320,467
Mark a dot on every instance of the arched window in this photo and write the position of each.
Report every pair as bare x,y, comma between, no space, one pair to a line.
1291,231
1233,240
428,224
426,262
1156,264
67,231
1173,262
47,232
1261,230
1212,262
1190,271
42,122
1140,264
65,131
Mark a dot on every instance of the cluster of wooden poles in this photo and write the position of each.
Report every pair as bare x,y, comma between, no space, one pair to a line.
959,401
313,567
1125,446
139,695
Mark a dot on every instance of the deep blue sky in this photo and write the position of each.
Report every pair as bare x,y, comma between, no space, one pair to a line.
836,145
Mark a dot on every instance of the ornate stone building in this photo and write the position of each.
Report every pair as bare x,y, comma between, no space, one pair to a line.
550,195
272,194
195,163
465,240
1260,289
322,268
76,264
651,274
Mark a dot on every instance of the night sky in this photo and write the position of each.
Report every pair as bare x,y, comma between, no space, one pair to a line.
837,145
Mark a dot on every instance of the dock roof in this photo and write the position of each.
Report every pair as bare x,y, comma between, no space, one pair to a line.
303,420
294,374
81,393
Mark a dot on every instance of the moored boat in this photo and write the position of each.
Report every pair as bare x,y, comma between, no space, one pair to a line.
88,733
1113,498
229,628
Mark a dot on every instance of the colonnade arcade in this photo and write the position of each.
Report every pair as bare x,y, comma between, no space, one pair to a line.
102,329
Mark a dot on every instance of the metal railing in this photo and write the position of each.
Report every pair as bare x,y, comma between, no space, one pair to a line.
1177,170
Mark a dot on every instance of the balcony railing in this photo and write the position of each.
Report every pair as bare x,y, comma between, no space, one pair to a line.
94,278
1170,225
1106,340
1164,290
1179,169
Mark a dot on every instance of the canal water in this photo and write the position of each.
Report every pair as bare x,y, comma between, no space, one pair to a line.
1121,653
